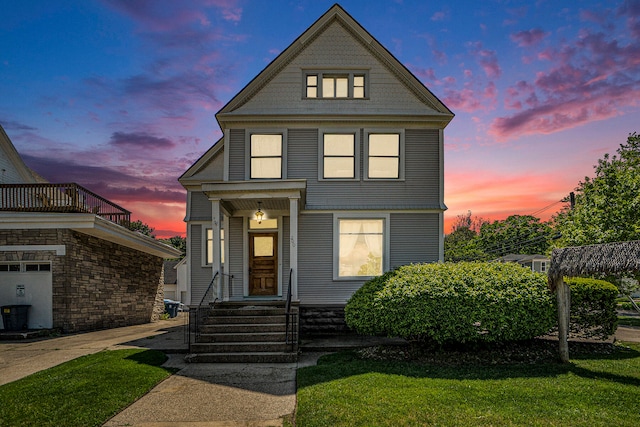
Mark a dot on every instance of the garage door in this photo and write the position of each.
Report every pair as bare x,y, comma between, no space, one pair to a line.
29,283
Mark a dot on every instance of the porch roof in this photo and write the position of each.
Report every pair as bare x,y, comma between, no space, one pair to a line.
237,196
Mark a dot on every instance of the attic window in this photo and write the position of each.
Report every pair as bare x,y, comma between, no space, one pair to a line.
335,84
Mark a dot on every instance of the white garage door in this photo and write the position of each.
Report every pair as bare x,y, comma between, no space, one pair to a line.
28,283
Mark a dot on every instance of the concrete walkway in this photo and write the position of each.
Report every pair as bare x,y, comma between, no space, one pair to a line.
198,395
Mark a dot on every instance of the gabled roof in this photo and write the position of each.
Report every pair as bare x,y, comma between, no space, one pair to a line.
202,162
9,151
337,13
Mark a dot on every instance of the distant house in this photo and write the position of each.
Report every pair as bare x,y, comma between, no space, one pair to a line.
329,172
65,252
537,263
175,283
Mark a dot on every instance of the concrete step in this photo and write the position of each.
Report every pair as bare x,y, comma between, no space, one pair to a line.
242,328
232,337
240,347
268,357
225,320
249,311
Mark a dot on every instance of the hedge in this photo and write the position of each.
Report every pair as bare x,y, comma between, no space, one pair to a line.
466,302
593,308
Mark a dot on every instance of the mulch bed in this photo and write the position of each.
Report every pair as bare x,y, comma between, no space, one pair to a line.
538,350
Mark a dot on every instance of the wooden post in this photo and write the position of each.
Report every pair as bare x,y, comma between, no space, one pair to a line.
563,294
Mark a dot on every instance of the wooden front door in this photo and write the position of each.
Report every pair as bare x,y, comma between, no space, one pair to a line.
263,264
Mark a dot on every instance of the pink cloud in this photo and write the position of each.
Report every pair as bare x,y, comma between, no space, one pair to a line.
529,37
487,59
594,78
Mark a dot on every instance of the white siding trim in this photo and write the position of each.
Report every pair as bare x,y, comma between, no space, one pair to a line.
225,173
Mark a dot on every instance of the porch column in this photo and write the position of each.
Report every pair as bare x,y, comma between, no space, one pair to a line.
293,245
215,252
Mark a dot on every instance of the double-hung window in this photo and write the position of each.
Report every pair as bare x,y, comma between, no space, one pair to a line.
266,156
384,153
209,246
360,246
339,156
336,84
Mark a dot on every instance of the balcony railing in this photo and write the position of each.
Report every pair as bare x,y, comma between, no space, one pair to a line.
63,198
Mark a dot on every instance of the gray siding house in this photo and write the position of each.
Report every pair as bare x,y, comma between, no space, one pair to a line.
330,171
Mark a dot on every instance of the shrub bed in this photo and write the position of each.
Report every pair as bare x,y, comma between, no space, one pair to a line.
593,308
466,302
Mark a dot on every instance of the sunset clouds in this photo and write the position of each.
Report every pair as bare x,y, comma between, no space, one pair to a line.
120,96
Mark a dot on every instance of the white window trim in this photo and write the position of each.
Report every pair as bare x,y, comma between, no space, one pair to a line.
401,160
356,161
386,241
247,150
349,72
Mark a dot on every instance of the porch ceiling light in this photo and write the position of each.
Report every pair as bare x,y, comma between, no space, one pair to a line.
259,214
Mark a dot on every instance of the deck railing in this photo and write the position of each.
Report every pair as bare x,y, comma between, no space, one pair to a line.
291,328
61,198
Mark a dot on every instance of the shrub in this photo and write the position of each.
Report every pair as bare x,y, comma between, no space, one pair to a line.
467,302
593,307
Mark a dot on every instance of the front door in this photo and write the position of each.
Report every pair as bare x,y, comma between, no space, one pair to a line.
263,264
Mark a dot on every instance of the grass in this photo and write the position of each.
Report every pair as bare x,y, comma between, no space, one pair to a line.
83,392
628,321
599,389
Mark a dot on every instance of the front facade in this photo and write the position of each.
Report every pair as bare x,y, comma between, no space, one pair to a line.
330,171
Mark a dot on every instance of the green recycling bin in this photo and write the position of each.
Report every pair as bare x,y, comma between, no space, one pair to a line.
15,317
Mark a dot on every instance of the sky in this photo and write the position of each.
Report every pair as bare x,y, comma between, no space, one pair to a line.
120,96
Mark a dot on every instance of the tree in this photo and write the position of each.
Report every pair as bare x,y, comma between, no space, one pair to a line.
607,207
462,243
521,234
177,242
142,228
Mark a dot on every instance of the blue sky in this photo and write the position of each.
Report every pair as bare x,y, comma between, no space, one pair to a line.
120,96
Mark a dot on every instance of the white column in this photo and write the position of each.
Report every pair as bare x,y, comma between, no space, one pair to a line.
293,245
217,261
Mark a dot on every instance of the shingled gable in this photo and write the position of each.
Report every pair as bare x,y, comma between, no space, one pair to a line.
237,108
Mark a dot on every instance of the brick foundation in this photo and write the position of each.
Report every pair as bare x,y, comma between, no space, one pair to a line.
97,284
322,320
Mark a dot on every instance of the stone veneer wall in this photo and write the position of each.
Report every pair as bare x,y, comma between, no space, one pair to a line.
97,284
321,320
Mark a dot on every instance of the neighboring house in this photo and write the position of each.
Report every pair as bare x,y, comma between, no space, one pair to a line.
537,263
64,252
329,172
175,280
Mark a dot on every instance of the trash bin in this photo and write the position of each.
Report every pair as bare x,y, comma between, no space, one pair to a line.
171,307
15,317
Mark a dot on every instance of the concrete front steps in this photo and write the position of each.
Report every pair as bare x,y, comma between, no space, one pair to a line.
247,332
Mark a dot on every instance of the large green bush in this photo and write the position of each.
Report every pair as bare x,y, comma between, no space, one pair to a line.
465,302
593,308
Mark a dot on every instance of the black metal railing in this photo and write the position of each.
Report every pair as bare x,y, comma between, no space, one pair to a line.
291,328
199,313
61,198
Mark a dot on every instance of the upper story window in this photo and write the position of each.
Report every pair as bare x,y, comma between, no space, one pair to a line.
384,153
266,156
339,156
335,84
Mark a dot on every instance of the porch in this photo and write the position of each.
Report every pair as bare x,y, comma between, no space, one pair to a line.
254,238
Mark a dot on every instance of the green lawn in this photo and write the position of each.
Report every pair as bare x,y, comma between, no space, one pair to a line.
629,320
83,392
594,390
